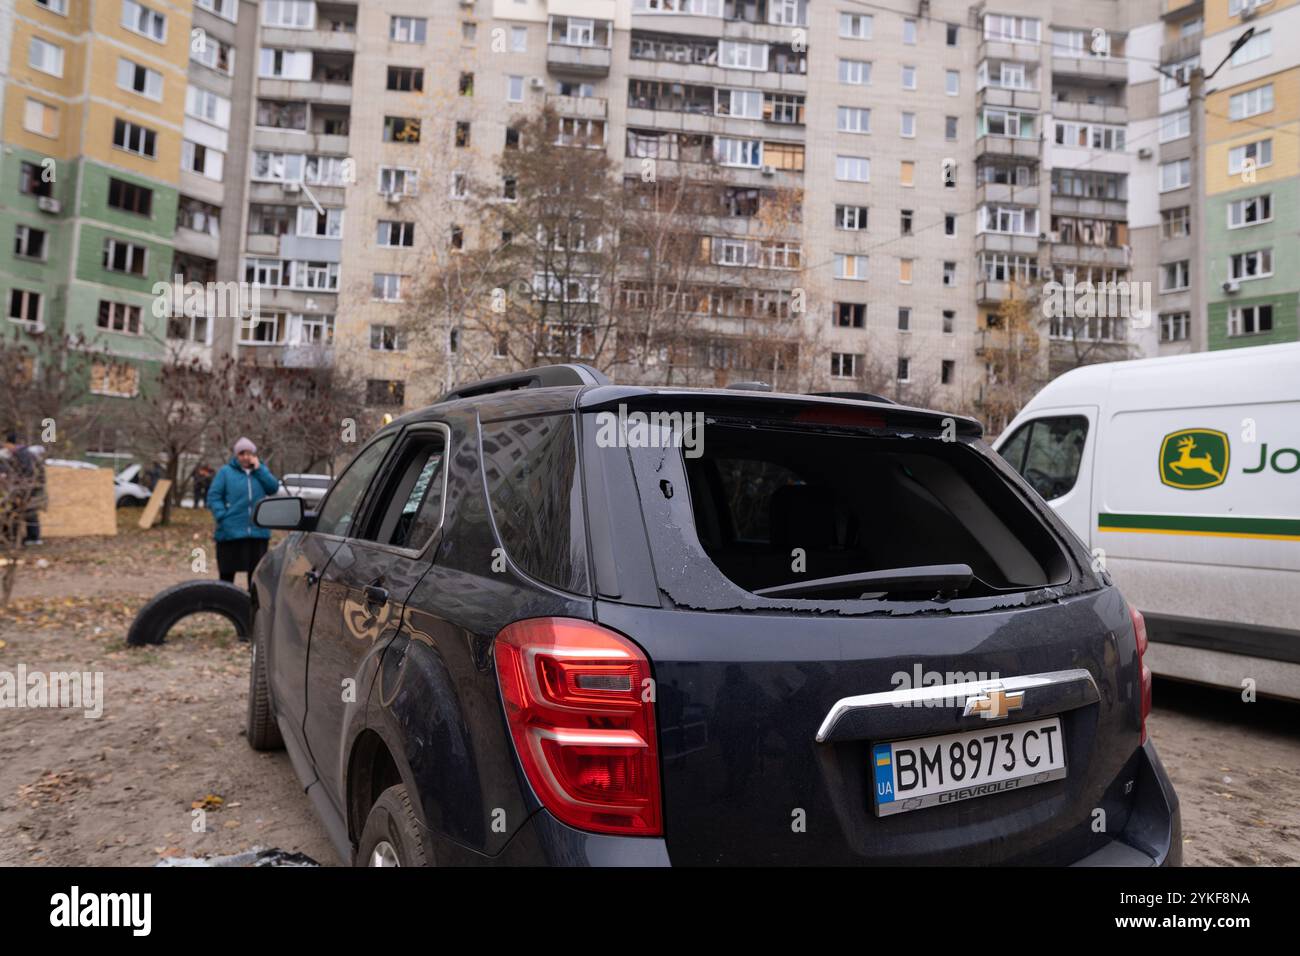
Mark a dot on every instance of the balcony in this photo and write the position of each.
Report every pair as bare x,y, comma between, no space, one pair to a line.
1111,69
579,107
1085,207
1006,193
1009,50
337,41
1006,242
988,291
1089,112
309,90
307,356
196,243
1010,146
1017,99
1184,48
1111,257
585,60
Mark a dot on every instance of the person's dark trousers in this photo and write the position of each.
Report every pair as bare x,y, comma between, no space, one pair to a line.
33,519
241,554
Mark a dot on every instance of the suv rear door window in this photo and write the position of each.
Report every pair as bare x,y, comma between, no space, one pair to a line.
1047,452
343,505
409,502
532,480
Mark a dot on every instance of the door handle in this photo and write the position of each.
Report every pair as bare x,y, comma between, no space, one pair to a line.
376,595
312,577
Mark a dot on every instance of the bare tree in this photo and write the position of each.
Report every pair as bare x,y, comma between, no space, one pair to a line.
1013,357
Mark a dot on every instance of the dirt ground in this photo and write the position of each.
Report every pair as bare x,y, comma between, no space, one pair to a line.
122,789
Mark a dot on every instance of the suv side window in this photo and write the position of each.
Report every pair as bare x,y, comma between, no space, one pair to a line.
343,505
531,465
1047,452
411,498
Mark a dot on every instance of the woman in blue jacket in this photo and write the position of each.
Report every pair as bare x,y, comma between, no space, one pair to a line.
237,488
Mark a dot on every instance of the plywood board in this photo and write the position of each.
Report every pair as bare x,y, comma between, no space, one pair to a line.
80,502
154,508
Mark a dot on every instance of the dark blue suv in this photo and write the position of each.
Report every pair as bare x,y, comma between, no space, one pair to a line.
554,620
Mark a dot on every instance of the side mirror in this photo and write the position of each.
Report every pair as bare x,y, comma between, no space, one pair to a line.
278,512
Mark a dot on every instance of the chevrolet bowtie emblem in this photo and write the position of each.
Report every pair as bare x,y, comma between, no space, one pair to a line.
994,704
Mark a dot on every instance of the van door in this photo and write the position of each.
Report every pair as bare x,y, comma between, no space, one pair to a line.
1054,451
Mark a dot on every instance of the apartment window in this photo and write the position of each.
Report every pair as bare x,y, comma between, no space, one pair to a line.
405,79
289,14
279,114
285,64
904,369
54,6
1175,125
1252,155
907,125
851,315
1256,264
207,106
855,72
1176,223
949,320
459,186
906,172
1250,211
736,55
952,82
947,371
129,197
909,77
197,158
41,118
572,131
514,89
855,26
905,222
387,287
1175,326
25,307
853,119
904,319
1016,29
1175,174
1178,75
139,79
738,152
398,180
402,129
850,266
312,329
1175,276
198,216
1256,48
950,128
138,18
995,122
212,53
265,272
852,218
1016,220
278,167
45,56
949,274
905,271
1237,7
1251,103
271,220
387,338
327,224
119,317
394,233
223,8
457,237
846,364
114,379
406,29
262,328
518,39
909,32
29,242
1250,319
468,31
1091,136
125,257
512,137
854,169
950,224
323,276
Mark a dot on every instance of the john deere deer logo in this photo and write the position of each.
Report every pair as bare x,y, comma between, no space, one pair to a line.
1194,458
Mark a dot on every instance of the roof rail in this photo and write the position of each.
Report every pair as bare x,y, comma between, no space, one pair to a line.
544,376
859,396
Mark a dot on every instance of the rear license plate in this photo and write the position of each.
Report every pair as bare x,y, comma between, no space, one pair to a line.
911,774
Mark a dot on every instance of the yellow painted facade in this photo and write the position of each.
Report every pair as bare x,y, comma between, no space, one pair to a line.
1281,124
1286,158
1217,18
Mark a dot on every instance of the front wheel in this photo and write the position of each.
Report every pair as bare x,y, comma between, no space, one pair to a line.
391,836
263,732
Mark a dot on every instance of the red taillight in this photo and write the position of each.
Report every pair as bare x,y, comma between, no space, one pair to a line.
1140,630
579,703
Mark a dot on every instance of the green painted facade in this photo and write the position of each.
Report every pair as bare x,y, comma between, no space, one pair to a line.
1281,289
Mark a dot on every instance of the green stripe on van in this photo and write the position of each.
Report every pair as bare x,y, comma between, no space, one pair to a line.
1200,524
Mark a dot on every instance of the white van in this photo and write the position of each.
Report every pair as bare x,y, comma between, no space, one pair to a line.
1183,475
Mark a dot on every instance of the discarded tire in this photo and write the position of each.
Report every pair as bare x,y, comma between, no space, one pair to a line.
168,607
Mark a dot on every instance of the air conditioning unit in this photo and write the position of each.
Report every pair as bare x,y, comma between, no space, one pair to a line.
536,83
1231,286
293,187
49,204
394,198
769,170
1144,152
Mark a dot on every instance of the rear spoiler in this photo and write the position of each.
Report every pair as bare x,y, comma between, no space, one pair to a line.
803,409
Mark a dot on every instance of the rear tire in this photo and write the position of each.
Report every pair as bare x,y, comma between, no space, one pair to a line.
262,730
166,608
392,834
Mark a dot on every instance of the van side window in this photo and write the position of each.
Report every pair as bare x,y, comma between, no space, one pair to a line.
1047,452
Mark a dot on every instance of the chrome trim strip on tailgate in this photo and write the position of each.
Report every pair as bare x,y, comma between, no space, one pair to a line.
1080,678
